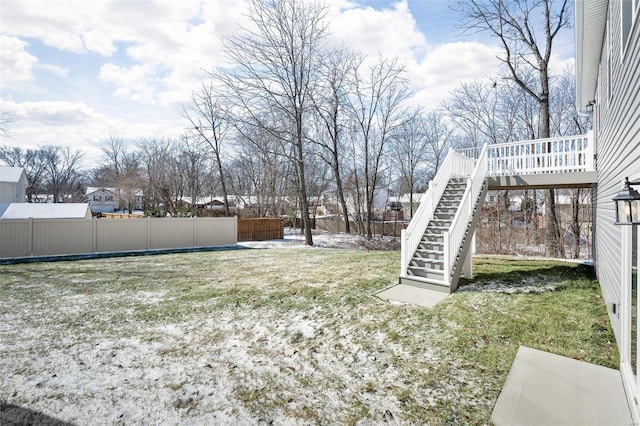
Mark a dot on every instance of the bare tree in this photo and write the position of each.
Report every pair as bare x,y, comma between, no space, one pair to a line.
62,175
162,180
210,123
525,30
473,108
257,173
410,148
276,64
6,120
331,106
437,134
565,120
377,108
120,169
32,161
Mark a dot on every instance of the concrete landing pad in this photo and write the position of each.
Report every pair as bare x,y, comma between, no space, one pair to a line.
413,295
547,389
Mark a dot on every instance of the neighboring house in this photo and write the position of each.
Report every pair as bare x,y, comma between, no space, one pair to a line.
13,186
608,83
403,204
207,203
109,200
380,201
47,211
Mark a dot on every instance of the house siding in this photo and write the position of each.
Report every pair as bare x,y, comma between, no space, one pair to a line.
617,135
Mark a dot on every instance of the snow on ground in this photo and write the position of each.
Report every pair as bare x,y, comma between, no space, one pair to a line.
237,337
293,238
93,349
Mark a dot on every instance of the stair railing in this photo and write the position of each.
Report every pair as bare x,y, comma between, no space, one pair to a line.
410,237
455,164
453,238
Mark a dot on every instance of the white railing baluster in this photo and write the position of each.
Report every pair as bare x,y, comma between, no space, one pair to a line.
455,236
551,155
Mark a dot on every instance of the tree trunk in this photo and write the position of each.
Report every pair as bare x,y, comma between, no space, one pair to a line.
555,244
341,200
302,191
227,212
575,222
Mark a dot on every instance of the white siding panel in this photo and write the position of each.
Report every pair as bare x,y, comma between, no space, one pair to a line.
618,147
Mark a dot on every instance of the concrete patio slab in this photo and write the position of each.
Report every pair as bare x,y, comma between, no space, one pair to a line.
413,295
547,389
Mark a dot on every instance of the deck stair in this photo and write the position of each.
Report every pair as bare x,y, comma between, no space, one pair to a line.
428,259
436,243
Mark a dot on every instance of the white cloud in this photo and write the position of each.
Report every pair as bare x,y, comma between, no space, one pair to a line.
153,53
388,32
444,67
51,113
53,69
133,82
77,125
16,64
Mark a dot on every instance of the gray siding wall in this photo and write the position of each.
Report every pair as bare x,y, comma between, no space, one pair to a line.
617,135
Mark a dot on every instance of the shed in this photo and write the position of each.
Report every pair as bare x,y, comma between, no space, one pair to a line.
47,211
13,186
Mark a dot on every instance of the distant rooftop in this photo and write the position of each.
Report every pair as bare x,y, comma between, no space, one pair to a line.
47,211
10,174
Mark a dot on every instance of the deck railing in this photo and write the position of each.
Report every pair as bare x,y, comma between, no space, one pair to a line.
539,156
553,155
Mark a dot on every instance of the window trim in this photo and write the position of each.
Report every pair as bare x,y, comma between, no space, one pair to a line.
634,6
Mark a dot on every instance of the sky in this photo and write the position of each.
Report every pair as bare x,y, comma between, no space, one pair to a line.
73,72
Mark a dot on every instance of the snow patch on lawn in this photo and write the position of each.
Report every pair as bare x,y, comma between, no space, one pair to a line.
323,239
526,285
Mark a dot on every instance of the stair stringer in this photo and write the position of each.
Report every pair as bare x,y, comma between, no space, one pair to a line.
466,244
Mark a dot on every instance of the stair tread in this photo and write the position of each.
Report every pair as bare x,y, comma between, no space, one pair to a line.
424,268
427,260
428,280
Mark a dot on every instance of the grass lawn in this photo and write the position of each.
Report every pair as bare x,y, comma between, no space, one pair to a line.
289,336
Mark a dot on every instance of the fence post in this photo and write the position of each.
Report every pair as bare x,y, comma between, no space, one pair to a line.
30,237
148,232
403,252
590,154
445,267
94,231
193,232
235,225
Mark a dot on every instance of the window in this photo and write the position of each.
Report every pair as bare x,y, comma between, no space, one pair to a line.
629,12
97,198
108,197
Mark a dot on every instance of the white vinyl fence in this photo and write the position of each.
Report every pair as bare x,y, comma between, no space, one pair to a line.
47,237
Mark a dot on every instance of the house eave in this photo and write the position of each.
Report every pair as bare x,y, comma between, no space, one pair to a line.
590,22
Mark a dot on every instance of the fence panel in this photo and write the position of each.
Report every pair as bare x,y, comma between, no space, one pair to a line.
15,237
121,235
44,237
171,233
218,231
260,229
62,236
